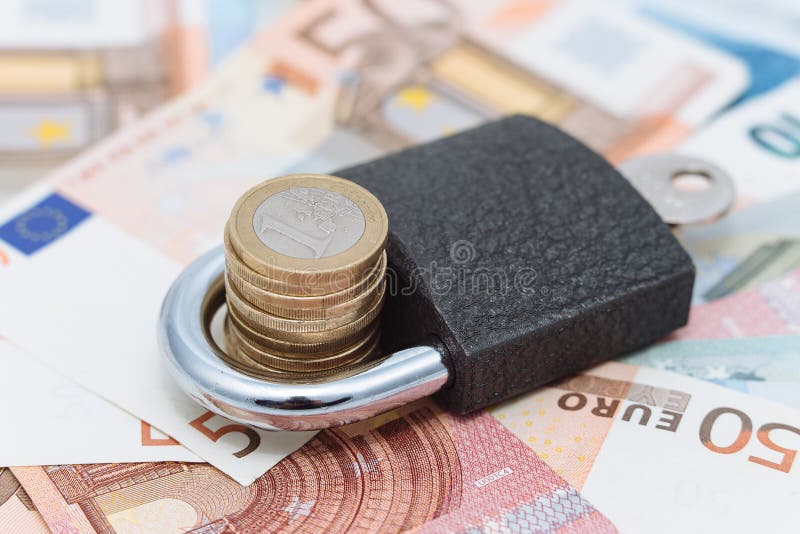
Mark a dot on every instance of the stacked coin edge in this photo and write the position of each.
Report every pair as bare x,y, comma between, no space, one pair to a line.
284,326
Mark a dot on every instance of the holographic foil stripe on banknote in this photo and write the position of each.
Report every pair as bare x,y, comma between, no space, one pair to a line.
560,510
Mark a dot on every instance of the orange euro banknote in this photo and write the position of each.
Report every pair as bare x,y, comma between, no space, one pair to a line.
419,468
17,512
661,452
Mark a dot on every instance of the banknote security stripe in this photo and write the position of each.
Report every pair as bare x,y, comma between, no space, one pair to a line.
42,224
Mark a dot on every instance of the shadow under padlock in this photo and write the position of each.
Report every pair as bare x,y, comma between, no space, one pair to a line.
517,256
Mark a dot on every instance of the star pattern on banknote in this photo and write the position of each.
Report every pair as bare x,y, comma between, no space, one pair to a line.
48,132
416,97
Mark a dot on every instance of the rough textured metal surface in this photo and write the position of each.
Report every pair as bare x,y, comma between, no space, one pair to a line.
601,275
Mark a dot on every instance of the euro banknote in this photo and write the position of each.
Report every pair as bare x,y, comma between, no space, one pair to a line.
746,248
120,221
766,367
72,73
69,75
51,24
17,511
661,452
44,407
758,143
33,25
762,34
415,469
771,309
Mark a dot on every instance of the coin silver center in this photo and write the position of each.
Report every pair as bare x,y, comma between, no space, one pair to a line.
307,222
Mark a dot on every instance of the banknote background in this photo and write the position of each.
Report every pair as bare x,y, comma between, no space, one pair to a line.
697,433
71,72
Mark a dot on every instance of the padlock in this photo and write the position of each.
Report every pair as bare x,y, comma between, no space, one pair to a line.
517,256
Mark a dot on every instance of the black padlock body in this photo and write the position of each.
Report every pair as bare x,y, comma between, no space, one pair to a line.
554,261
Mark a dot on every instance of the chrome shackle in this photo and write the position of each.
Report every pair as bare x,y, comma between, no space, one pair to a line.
203,370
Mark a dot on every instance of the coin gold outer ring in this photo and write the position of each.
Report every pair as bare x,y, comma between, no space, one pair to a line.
339,315
311,331
291,348
305,354
352,262
357,353
237,359
363,312
311,344
231,346
304,307
333,317
310,284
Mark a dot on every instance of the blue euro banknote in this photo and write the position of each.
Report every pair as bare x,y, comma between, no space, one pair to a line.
762,34
744,249
767,367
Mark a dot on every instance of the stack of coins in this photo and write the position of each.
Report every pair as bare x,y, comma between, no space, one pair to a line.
304,276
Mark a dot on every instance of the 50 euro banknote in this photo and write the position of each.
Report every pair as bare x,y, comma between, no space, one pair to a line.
661,452
86,257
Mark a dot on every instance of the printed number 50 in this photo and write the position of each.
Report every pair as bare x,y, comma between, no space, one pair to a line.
214,435
743,438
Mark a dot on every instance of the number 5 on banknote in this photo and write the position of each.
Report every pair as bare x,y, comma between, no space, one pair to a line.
253,439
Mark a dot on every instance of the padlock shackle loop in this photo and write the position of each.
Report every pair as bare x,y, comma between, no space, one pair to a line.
199,366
